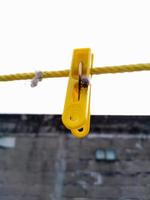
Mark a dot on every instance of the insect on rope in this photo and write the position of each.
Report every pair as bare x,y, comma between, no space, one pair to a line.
76,114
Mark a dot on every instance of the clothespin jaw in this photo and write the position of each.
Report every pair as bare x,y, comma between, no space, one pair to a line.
76,114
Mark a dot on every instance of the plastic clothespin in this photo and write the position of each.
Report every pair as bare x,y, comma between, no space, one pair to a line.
76,114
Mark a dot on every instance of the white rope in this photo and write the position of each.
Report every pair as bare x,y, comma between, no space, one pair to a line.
36,79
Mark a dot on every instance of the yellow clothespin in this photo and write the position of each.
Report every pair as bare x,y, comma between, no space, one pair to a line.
76,114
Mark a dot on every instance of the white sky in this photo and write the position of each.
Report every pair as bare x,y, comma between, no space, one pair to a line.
41,35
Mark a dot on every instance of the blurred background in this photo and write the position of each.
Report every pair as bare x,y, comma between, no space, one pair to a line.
41,160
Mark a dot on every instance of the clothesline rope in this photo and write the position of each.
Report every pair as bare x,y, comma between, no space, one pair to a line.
65,73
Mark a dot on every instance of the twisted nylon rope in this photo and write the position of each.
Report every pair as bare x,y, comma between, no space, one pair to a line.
65,73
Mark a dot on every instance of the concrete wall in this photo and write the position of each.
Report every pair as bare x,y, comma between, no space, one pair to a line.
55,166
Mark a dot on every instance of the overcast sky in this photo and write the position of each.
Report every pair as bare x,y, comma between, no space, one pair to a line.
41,35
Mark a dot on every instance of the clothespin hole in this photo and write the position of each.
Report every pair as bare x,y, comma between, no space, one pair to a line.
80,129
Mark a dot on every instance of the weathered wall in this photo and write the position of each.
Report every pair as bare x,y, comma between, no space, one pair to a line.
55,166
52,123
